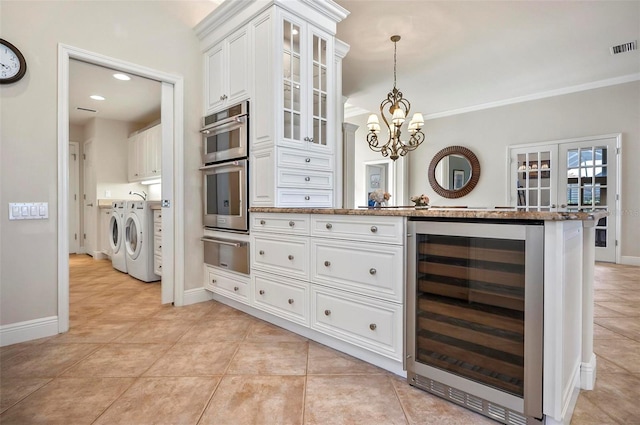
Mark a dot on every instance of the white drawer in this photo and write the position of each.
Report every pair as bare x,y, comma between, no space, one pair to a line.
289,177
293,158
291,224
281,297
157,216
287,256
370,269
368,323
227,285
309,198
157,245
359,228
157,264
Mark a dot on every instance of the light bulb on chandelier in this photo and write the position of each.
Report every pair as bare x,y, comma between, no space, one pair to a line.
398,108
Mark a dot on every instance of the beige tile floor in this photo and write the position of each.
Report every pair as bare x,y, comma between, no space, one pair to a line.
128,360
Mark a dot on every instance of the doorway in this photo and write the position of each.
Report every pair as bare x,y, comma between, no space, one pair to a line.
379,175
172,88
572,175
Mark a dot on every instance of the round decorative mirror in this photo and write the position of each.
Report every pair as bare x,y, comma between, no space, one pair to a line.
454,172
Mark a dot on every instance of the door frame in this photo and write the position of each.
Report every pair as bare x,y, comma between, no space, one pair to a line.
615,209
173,154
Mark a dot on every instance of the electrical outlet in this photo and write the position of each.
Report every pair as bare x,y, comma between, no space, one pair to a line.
107,194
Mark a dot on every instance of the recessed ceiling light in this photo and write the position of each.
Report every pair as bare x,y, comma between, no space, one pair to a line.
97,97
122,77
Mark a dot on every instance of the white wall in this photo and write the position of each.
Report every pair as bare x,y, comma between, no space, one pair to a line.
157,35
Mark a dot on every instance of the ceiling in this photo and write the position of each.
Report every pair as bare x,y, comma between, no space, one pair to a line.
136,100
453,55
465,54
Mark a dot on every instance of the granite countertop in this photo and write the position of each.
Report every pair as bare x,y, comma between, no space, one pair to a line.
444,212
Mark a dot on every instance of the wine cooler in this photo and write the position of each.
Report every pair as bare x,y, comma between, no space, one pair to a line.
474,315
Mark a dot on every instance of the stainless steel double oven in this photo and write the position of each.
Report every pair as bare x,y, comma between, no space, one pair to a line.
225,171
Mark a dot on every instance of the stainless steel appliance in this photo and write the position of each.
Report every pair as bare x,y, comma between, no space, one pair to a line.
226,196
227,254
225,134
474,316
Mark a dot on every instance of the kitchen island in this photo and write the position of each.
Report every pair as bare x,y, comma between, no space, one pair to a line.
340,276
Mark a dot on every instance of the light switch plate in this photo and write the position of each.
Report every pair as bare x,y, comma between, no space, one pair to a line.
28,210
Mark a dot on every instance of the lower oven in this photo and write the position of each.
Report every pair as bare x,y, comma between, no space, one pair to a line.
227,254
225,196
474,316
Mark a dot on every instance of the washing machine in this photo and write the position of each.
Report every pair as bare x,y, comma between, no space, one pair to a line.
138,241
116,236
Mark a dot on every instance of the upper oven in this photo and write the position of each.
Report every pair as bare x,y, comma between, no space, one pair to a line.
225,196
225,134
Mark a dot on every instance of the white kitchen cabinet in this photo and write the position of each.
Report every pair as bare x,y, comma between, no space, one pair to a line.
286,298
105,220
145,154
226,71
228,284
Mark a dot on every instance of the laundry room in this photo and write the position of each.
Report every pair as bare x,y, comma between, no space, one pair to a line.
115,170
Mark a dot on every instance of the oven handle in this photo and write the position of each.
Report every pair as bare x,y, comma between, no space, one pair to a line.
224,124
221,241
238,163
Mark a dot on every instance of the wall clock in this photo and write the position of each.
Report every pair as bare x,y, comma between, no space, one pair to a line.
12,63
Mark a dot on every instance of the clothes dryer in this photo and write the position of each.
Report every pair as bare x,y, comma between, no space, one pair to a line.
116,236
138,241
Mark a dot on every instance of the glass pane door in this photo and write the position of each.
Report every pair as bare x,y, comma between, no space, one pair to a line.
291,80
588,181
319,90
533,182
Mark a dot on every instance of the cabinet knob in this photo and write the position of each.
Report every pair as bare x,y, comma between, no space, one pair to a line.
306,198
261,292
159,230
373,326
327,263
328,225
305,160
263,222
235,288
213,281
374,229
372,271
261,252
160,266
159,215
307,179
290,257
308,139
290,301
160,247
292,223
327,312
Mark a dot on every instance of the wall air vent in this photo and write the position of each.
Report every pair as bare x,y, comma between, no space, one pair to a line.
622,48
85,109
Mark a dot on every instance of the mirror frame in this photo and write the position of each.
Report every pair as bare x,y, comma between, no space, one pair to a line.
475,172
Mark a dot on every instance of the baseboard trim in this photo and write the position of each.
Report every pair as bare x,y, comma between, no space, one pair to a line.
588,373
15,333
198,295
630,261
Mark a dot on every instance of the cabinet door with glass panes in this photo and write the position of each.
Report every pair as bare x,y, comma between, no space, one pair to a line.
306,86
533,170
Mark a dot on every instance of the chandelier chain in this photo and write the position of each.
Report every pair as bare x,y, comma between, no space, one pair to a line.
395,51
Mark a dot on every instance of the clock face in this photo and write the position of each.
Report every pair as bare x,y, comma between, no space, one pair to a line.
12,63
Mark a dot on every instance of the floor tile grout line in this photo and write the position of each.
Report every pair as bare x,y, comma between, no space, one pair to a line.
304,385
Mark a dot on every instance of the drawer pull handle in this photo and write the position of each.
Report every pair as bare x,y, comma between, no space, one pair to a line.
328,225
373,326
292,223
327,312
261,292
372,271
290,301
290,257
307,179
374,229
235,288
263,222
307,160
327,263
213,281
261,252
306,198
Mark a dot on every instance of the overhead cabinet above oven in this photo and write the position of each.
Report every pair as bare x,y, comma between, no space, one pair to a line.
294,88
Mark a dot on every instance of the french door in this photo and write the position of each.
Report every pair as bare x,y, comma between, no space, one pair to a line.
573,175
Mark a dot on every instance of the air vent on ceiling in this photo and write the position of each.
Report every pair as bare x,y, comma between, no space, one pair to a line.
86,109
622,48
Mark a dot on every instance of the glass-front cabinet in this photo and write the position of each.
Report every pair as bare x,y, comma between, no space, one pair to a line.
307,81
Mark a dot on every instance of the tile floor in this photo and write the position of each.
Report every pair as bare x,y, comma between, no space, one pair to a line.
129,360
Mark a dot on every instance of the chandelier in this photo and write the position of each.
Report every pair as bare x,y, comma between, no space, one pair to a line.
398,108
